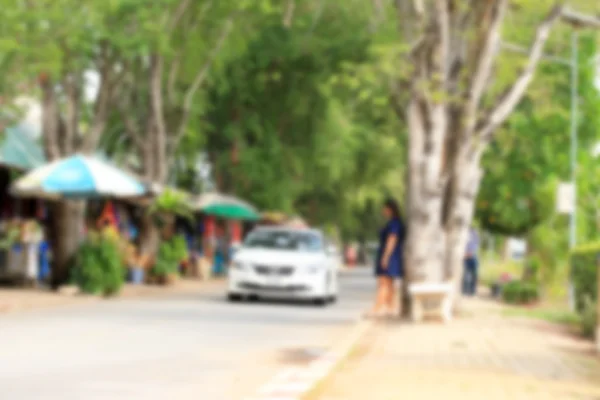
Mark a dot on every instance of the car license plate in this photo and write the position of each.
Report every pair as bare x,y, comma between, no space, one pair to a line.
274,280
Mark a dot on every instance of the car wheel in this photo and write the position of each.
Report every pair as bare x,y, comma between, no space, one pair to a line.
234,298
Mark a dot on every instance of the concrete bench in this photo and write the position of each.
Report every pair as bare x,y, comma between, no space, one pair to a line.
438,293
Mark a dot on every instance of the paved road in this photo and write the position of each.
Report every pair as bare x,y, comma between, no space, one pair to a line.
183,347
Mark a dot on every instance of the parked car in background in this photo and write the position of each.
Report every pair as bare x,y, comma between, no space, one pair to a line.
284,263
336,255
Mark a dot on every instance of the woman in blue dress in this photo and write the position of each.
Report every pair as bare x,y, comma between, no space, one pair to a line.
389,264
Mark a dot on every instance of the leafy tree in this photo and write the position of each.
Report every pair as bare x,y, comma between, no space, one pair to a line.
534,147
41,41
459,96
295,121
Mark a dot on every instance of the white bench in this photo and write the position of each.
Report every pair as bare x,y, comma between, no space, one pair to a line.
439,293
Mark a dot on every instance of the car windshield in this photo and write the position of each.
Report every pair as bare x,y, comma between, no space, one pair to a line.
284,240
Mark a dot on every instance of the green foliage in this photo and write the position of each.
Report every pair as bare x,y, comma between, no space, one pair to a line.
99,267
10,237
531,154
533,267
493,271
520,292
584,273
300,122
589,318
553,315
170,202
170,254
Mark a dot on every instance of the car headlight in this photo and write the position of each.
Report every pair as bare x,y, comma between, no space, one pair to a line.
240,266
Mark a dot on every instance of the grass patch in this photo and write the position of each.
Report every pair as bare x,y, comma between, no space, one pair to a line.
492,269
553,315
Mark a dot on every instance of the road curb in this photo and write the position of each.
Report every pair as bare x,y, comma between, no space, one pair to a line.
296,383
47,300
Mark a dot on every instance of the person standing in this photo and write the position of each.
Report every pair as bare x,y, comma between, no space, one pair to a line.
389,267
471,264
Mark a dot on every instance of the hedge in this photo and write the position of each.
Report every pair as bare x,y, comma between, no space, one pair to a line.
584,261
518,292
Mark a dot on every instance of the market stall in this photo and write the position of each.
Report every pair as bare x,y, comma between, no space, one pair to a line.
73,178
224,219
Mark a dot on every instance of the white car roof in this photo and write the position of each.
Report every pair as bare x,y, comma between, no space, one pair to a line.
287,229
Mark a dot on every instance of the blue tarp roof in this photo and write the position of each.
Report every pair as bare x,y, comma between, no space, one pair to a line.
19,150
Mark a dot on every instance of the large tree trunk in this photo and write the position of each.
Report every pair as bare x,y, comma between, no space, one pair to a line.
149,236
425,245
452,57
462,195
68,219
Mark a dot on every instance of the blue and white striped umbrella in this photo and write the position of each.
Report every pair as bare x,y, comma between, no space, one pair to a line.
78,177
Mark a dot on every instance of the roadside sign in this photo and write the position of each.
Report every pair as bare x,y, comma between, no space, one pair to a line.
565,198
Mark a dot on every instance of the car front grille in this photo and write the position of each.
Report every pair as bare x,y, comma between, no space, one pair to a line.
274,271
282,289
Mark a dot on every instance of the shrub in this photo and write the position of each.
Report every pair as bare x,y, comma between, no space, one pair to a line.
170,254
519,292
584,273
496,272
99,267
588,318
533,268
168,204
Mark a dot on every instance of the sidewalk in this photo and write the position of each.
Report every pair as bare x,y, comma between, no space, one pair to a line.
483,355
17,299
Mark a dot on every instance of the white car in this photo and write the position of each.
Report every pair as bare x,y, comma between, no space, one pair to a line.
284,263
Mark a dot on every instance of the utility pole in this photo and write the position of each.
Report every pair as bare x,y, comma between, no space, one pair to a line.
574,134
574,147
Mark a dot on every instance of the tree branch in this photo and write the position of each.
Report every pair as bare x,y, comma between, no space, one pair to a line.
176,64
579,20
441,67
199,80
73,98
178,15
410,16
126,110
492,13
379,9
288,15
173,73
50,119
102,104
508,101
396,100
158,117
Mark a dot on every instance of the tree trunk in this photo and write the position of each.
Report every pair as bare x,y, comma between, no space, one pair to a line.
425,245
405,299
361,257
149,236
451,121
68,221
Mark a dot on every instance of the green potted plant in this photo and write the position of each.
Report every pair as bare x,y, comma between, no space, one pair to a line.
170,254
169,204
99,268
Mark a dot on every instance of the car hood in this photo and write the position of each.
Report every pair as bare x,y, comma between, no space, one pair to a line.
277,257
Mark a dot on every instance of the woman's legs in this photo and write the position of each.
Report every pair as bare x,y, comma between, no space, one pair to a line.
380,296
383,293
393,300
